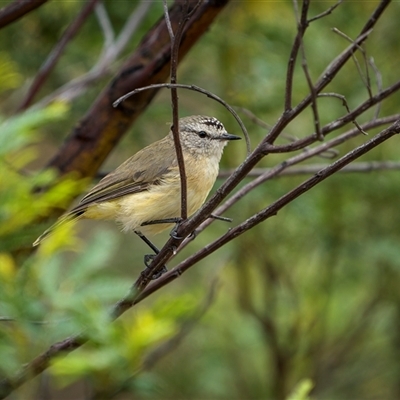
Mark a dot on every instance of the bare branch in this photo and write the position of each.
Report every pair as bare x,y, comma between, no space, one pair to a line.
345,104
301,28
379,84
340,122
329,73
359,167
350,117
303,24
168,21
325,13
129,110
175,41
365,78
314,105
39,364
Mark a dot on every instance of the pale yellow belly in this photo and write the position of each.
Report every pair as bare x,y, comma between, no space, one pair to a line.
161,202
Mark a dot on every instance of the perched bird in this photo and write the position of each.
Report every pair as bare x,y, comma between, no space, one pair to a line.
147,188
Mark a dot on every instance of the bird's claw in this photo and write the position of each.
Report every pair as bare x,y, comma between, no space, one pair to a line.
174,230
148,258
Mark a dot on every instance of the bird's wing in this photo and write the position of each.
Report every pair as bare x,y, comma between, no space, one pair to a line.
135,175
147,167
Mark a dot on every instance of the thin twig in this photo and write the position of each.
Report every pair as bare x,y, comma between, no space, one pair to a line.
345,104
330,72
338,123
359,167
175,42
366,79
325,13
253,117
313,93
42,361
303,23
301,28
379,84
168,21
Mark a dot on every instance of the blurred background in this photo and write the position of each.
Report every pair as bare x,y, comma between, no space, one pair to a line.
305,305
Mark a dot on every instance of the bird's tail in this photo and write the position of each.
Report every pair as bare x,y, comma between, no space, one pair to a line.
65,219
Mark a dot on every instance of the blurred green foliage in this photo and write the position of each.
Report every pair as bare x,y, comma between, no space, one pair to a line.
309,306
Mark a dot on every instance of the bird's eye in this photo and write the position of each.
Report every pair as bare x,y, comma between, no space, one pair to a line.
202,134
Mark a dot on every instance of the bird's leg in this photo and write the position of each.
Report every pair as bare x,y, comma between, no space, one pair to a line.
148,258
176,220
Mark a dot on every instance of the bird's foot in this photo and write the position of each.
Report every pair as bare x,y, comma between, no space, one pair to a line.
148,258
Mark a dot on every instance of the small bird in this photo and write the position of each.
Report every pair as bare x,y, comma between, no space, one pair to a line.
146,188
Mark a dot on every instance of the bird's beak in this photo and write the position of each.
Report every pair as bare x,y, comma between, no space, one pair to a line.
228,136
